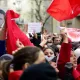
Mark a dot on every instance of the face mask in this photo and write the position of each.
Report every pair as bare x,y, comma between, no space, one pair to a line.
49,58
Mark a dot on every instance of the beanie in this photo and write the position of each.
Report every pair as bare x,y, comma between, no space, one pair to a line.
41,71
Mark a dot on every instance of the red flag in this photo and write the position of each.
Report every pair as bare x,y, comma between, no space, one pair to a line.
14,33
64,9
75,5
59,9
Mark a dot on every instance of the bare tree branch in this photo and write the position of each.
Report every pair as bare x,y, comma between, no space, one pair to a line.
40,15
40,2
38,10
46,20
37,17
36,1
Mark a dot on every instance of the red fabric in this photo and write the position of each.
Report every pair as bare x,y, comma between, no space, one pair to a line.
14,33
78,68
64,57
59,9
69,40
15,75
75,5
64,9
76,74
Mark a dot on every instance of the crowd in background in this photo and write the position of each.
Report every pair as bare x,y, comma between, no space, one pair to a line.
53,57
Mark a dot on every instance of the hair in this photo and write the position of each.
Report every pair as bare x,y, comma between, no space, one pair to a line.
54,38
48,48
1,64
54,50
24,55
4,71
2,12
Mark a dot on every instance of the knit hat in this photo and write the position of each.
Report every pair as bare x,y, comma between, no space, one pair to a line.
6,57
41,71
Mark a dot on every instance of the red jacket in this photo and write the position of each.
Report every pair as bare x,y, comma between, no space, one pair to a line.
64,57
15,75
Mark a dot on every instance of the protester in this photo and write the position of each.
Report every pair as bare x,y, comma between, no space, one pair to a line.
55,44
67,55
41,71
23,58
49,54
4,59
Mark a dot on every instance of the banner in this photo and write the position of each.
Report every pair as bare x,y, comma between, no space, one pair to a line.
34,27
73,33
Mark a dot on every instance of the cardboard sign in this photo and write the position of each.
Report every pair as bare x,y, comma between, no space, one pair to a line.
34,27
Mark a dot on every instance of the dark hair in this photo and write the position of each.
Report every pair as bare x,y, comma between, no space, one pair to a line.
2,12
25,55
47,48
54,38
55,50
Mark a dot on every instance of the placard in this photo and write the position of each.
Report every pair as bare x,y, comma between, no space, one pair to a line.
34,27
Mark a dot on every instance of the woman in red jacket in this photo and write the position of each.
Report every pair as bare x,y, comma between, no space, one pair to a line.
67,55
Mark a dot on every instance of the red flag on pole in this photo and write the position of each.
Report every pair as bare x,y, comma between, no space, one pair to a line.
75,5
64,9
14,33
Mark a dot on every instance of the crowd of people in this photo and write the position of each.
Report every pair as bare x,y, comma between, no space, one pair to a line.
53,57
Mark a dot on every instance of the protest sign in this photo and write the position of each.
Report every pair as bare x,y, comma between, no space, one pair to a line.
34,27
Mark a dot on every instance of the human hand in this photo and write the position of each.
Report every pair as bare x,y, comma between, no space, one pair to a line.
19,44
63,33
